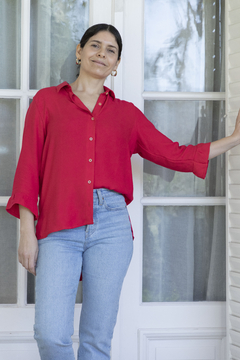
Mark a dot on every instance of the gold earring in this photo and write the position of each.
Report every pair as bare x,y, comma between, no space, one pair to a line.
78,61
114,73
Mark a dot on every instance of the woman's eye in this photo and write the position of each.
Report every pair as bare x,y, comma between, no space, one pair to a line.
94,45
111,51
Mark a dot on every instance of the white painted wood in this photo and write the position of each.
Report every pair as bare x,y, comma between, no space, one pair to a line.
234,264
235,277
235,309
235,352
183,201
181,344
234,15
235,150
234,31
152,95
234,162
234,4
234,191
234,249
234,177
234,74
234,88
234,45
234,235
234,60
233,206
100,11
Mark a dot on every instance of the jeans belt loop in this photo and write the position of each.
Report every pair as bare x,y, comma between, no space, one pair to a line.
100,196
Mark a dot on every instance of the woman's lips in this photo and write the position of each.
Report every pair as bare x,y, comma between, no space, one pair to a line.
98,62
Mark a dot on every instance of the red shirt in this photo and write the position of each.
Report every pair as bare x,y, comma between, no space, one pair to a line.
68,151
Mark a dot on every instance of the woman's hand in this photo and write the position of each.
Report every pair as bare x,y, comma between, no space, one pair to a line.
221,146
28,251
236,132
28,245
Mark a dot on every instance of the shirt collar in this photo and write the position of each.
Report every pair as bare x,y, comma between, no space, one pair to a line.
66,84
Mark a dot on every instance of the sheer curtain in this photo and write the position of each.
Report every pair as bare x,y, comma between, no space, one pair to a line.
184,247
10,60
56,29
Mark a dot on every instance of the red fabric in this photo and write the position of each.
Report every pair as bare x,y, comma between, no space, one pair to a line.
68,151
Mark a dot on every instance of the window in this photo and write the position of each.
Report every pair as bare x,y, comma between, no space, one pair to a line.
184,217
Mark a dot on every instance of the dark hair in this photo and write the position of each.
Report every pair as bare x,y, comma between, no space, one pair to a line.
93,30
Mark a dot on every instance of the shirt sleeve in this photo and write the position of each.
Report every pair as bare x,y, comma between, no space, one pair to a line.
152,145
26,181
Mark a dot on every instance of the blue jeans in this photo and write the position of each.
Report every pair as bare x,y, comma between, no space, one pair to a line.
102,252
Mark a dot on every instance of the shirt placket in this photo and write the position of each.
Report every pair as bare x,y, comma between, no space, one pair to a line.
91,143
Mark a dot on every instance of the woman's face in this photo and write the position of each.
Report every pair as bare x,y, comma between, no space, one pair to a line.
99,56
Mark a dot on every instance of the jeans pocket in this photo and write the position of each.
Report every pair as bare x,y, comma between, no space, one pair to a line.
115,202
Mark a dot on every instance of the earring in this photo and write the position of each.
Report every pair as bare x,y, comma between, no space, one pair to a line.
78,61
114,73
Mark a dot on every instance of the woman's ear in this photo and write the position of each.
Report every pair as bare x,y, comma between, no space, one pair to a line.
78,51
117,63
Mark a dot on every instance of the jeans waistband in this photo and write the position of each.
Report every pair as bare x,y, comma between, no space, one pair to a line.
100,194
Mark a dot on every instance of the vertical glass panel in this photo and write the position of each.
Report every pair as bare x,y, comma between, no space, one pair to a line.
184,45
184,254
31,292
9,143
188,122
8,258
10,44
56,28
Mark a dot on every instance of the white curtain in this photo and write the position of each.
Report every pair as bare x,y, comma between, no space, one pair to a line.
56,29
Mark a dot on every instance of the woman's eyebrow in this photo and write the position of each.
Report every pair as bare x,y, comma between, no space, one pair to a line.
99,42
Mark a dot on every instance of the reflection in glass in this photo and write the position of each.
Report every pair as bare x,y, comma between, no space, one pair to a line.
184,254
31,292
8,258
9,143
187,122
184,45
56,28
10,41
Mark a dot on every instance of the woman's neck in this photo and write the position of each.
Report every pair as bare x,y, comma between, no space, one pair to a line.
88,85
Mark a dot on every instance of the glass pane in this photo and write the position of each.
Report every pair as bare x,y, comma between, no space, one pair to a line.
31,292
10,44
184,49
184,254
8,258
9,143
188,122
56,28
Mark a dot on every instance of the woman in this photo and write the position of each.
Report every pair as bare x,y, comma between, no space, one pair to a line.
77,144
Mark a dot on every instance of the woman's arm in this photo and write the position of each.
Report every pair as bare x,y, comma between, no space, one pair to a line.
221,146
28,245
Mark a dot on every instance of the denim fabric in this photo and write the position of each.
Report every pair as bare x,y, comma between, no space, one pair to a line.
102,252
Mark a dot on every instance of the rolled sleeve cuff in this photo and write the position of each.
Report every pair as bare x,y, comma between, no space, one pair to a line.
201,160
24,200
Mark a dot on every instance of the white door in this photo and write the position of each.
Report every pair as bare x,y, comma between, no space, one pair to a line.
155,320
170,308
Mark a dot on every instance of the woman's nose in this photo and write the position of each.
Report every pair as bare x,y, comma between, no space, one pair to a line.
101,53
